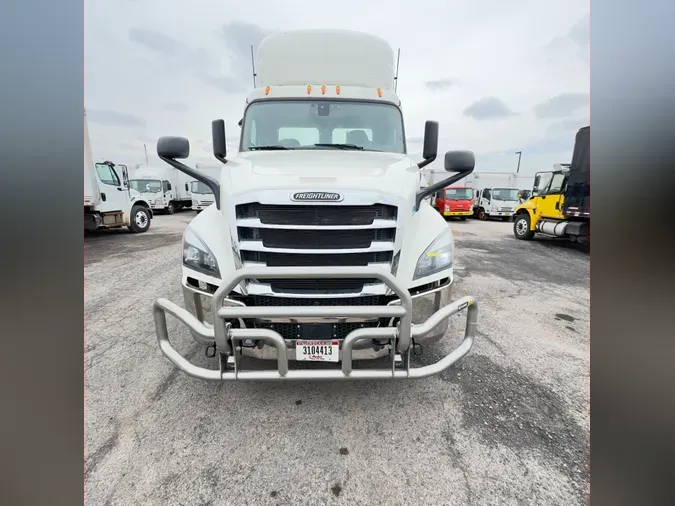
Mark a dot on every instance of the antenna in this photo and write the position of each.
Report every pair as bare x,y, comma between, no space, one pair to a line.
253,66
398,59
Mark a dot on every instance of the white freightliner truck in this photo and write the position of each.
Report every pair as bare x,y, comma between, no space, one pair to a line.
202,196
167,189
320,246
108,200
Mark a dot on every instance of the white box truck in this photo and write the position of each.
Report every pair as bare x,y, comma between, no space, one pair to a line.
495,194
108,200
202,196
166,188
319,246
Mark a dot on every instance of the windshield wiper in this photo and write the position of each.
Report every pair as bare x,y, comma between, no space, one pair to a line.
268,148
339,146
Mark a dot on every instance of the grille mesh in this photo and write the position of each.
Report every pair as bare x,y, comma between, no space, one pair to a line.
315,215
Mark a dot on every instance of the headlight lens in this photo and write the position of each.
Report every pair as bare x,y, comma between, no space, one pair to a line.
197,255
437,257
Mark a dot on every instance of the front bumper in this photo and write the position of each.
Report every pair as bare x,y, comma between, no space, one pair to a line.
457,213
228,341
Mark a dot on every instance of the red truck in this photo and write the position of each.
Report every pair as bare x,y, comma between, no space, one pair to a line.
455,201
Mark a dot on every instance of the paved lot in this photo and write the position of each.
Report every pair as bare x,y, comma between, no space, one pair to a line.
508,425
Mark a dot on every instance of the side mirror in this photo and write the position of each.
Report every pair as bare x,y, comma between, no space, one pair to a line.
218,138
173,147
460,161
430,149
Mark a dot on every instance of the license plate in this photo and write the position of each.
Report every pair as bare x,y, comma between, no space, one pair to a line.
317,351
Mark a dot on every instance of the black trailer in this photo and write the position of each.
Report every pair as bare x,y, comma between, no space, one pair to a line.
577,202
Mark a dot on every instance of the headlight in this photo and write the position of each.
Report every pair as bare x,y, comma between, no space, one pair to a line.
197,255
437,257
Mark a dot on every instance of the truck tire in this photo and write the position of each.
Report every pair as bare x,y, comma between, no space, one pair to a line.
521,227
482,215
462,218
140,220
171,208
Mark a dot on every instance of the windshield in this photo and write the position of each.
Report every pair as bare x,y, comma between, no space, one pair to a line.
325,124
505,194
200,188
458,193
146,185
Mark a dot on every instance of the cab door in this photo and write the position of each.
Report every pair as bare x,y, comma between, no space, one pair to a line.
114,194
551,198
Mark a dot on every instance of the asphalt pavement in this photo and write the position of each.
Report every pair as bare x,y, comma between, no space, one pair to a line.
507,425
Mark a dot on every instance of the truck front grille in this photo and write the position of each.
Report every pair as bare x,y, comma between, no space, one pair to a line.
315,215
316,239
316,235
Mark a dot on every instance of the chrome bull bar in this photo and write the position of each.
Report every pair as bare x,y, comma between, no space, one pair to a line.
226,338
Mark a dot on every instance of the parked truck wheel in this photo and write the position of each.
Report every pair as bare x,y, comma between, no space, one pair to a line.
482,215
171,208
521,227
462,218
140,220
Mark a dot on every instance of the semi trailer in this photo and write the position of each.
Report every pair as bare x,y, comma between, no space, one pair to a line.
108,200
320,249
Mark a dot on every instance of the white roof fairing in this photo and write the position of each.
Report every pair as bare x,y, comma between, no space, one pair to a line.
330,57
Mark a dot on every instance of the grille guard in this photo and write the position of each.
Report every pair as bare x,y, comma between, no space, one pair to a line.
225,338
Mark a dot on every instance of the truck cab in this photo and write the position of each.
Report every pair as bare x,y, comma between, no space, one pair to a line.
158,192
560,202
319,245
202,196
499,202
456,201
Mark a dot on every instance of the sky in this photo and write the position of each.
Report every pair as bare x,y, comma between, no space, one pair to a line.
499,77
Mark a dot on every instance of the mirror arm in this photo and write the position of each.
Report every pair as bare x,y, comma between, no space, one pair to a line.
426,162
207,180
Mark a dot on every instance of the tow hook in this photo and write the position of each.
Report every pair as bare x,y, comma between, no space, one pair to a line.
416,348
210,351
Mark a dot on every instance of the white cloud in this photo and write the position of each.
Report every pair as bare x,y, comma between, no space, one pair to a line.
174,66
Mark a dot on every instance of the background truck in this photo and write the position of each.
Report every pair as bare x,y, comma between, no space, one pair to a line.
202,196
108,200
456,201
319,246
495,194
166,188
560,205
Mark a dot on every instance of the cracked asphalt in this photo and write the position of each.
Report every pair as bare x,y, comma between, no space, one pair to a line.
507,425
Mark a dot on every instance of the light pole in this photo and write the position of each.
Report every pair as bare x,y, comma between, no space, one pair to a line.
519,153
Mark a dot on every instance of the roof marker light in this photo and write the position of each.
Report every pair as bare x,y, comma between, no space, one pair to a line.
309,89
267,90
337,89
379,92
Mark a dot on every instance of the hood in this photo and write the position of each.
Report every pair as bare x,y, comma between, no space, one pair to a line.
318,170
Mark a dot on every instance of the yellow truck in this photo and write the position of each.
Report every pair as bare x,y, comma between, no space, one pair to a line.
561,199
